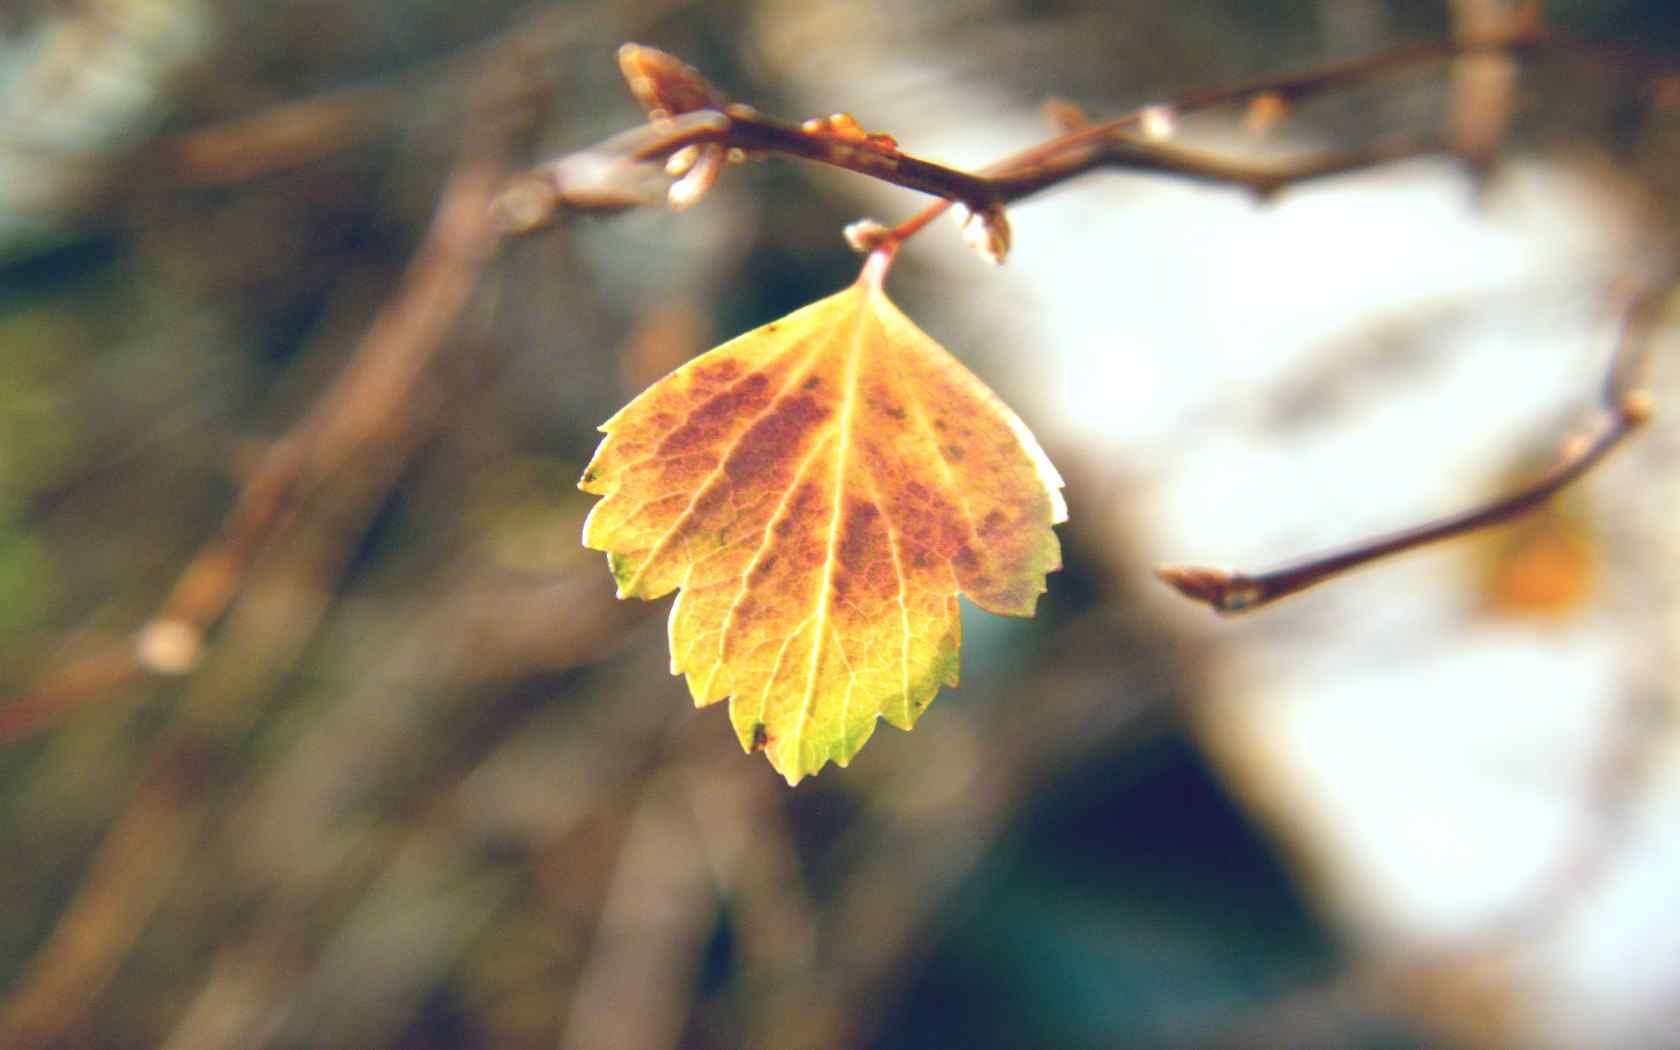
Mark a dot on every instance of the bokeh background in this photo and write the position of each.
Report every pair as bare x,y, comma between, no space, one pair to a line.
322,730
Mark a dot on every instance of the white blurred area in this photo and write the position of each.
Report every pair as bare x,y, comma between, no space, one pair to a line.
1238,385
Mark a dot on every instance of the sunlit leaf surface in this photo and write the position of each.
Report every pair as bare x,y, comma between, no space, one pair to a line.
821,490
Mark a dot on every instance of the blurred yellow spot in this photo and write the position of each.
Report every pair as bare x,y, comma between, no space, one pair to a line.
1265,112
1546,568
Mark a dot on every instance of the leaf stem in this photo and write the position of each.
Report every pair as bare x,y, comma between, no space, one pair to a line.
876,265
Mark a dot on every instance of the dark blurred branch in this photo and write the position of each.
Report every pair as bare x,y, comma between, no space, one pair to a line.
294,133
286,136
332,470
368,402
485,627
637,983
1624,406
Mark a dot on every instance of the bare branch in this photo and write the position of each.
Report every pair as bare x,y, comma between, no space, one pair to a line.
357,436
622,171
1625,405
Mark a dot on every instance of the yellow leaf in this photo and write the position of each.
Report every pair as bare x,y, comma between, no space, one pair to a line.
821,490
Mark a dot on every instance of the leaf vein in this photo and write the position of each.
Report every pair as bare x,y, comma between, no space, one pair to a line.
903,588
848,406
712,478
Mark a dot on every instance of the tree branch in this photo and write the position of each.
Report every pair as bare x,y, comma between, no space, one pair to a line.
1624,406
622,171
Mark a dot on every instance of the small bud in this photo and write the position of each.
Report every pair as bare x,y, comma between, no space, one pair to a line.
681,161
986,231
708,164
1265,112
1158,123
845,126
1226,592
1574,447
664,84
169,647
1637,406
867,235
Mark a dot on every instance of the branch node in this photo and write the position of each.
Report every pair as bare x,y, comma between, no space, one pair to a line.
699,173
1158,122
867,235
1224,591
986,230
1636,407
843,127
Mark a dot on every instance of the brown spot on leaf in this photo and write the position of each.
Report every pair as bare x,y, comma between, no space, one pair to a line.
812,383
720,371
703,426
776,437
709,501
992,523
966,561
954,452
806,499
858,533
760,737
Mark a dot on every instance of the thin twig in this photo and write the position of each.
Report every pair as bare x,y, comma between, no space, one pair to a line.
623,170
296,132
1262,179
636,986
1288,89
1624,407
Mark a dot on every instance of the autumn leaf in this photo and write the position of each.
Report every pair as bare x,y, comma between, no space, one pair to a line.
822,489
